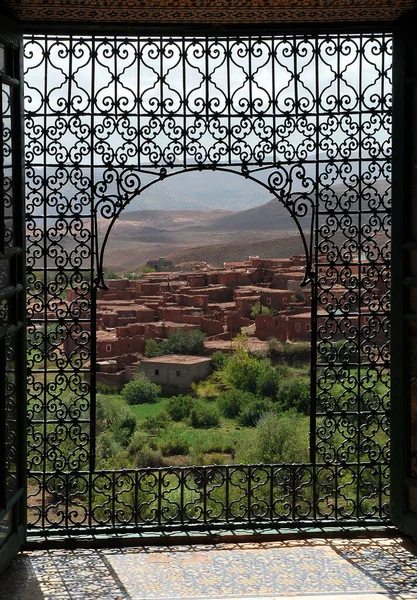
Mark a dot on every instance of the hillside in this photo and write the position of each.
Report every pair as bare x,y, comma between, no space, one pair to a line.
284,245
272,215
161,225
197,191
170,219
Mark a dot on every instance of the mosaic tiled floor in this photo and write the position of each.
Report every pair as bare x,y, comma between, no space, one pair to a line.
373,569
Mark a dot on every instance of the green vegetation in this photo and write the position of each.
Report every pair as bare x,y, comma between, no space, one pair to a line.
179,342
146,269
141,391
179,407
282,438
204,417
232,401
219,360
252,413
227,418
152,348
251,409
295,394
288,353
109,274
259,309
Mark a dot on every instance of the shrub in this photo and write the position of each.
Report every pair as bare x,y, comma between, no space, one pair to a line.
184,342
282,438
179,407
107,446
109,274
203,417
252,374
124,425
267,381
152,348
102,412
115,417
217,458
146,269
257,309
252,412
217,443
148,457
209,388
219,360
156,423
137,443
242,371
175,445
295,394
141,391
294,354
105,388
232,402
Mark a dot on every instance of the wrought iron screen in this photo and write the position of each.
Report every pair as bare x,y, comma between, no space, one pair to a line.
308,117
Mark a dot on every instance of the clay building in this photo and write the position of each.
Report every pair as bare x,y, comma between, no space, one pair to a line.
219,302
276,299
299,327
175,373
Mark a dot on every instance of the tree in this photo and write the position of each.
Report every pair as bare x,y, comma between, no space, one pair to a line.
232,402
251,374
141,391
185,342
152,348
258,309
251,414
294,354
267,381
179,407
282,438
295,394
219,360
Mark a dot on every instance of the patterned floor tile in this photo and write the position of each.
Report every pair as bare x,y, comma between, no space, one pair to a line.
357,569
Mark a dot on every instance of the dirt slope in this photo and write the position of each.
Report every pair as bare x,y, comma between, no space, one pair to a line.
284,245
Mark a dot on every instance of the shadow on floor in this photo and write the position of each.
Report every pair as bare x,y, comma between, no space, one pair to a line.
386,567
61,575
392,563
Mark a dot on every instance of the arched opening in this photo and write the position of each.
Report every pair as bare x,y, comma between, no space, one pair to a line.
210,338
287,208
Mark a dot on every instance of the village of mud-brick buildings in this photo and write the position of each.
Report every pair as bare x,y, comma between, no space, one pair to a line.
218,302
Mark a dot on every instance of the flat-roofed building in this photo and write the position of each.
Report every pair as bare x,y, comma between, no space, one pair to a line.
175,373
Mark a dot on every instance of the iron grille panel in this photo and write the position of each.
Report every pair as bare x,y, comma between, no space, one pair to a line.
308,117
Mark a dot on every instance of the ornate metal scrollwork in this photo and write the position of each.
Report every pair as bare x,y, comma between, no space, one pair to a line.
278,181
308,118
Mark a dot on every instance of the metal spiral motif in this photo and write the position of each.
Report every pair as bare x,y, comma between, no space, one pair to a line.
307,117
